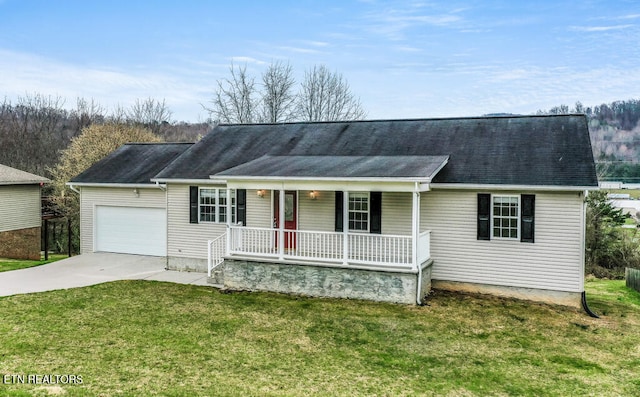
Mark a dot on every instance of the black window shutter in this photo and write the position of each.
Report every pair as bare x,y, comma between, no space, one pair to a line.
375,211
484,216
241,209
193,204
527,217
339,208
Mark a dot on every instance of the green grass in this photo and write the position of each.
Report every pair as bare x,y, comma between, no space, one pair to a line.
16,264
141,338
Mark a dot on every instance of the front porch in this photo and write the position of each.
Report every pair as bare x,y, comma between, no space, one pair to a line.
352,250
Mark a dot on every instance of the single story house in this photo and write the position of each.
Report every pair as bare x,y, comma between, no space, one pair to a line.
380,210
20,213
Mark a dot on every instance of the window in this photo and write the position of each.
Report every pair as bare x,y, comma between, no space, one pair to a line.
506,216
359,211
212,205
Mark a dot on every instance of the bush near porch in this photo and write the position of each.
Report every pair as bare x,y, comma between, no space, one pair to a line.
150,338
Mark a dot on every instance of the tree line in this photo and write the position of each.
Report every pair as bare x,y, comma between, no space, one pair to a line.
35,128
615,137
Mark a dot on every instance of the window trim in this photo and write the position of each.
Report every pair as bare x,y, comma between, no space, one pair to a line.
368,212
217,206
517,217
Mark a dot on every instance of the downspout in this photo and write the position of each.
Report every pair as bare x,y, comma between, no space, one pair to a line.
585,305
73,188
416,210
161,187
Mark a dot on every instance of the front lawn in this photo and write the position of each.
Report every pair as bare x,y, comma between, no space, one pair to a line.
149,338
16,264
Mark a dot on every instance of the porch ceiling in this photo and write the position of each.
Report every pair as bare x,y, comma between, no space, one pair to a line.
408,168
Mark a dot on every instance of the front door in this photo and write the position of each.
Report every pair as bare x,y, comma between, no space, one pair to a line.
290,216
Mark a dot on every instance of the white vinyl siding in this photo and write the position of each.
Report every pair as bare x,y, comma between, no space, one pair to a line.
396,213
258,209
123,197
19,207
317,214
553,262
188,240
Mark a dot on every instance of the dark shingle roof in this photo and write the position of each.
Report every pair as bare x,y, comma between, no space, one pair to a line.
339,167
517,150
134,163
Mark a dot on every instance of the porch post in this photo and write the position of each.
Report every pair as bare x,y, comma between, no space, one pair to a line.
415,229
345,227
281,225
228,221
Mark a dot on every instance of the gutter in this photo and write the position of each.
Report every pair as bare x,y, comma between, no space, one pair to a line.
72,187
418,298
161,187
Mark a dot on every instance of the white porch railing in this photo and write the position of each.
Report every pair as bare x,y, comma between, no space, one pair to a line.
364,249
216,250
380,248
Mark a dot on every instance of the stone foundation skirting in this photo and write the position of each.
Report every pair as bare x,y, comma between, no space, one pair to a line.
21,244
571,299
322,281
187,264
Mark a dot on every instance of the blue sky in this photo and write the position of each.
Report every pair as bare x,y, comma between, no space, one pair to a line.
404,59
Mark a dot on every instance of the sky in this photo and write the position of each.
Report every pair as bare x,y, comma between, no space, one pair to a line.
403,59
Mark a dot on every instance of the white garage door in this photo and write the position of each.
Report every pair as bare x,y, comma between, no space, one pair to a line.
131,230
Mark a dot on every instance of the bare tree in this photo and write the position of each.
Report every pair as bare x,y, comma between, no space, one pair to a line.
150,113
278,98
326,96
234,100
87,113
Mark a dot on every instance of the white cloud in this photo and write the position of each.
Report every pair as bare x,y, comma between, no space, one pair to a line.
243,59
599,28
27,73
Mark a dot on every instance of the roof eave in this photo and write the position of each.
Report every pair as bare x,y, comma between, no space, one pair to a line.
322,179
111,184
479,186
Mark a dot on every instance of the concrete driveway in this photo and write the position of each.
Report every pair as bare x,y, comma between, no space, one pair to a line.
90,269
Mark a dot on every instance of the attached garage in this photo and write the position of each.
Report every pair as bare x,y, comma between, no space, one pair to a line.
131,230
121,210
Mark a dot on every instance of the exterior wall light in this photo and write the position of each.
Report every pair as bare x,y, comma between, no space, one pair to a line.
136,192
261,193
313,195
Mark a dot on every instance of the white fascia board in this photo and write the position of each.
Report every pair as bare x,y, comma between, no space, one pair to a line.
191,181
123,185
469,186
7,183
325,185
320,179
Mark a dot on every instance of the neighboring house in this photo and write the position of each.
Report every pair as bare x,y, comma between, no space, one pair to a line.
20,213
376,210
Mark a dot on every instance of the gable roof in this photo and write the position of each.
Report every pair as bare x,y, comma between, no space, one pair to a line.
13,176
132,163
516,150
337,167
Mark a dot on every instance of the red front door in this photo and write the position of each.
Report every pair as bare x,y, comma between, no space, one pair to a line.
290,216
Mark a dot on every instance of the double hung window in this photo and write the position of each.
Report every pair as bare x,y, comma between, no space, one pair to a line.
359,212
212,205
506,216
